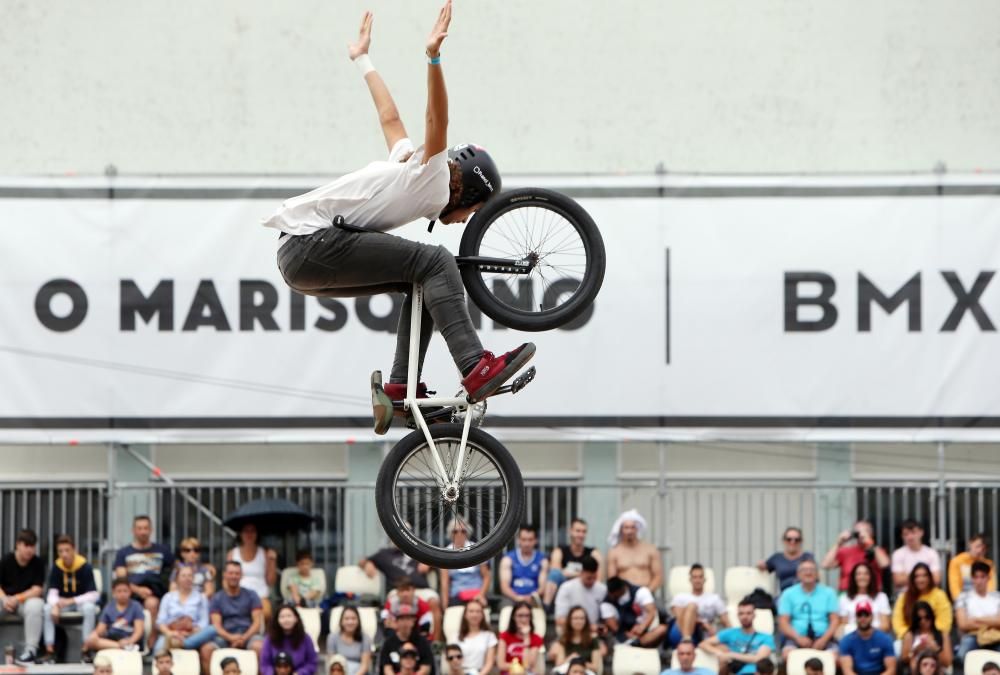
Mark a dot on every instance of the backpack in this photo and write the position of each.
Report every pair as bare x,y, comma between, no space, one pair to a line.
761,599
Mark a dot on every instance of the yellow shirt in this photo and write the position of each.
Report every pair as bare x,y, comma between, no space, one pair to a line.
960,573
939,602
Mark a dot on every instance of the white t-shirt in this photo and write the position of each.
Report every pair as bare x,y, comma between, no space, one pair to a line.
382,196
848,607
710,605
904,559
978,606
474,649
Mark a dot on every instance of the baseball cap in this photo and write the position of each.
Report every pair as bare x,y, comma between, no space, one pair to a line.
863,607
283,658
405,609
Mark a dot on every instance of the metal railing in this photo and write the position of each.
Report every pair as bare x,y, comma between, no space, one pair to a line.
76,509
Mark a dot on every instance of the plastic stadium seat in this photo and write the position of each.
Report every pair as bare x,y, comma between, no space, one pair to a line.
537,616
147,626
977,658
369,621
283,581
631,660
763,619
99,580
247,659
123,662
702,659
352,579
311,622
186,662
452,622
679,580
740,582
795,664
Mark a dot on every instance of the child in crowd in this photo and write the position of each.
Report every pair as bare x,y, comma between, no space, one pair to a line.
121,622
305,588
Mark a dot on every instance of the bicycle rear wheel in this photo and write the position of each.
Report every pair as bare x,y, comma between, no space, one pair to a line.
417,512
532,259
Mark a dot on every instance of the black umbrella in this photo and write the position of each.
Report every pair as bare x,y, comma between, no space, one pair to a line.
274,516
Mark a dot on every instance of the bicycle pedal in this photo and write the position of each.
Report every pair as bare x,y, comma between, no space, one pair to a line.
522,380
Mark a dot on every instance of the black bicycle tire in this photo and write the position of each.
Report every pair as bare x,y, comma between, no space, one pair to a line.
393,523
593,277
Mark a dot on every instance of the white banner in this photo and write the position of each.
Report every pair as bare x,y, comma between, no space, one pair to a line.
835,309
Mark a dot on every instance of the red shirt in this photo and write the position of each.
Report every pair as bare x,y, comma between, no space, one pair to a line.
515,647
848,557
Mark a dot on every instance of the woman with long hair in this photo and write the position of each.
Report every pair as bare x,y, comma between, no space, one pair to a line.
927,664
861,588
519,641
351,642
183,621
577,641
477,641
921,587
260,565
923,636
287,634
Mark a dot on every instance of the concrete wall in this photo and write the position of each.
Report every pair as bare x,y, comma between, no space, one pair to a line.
251,86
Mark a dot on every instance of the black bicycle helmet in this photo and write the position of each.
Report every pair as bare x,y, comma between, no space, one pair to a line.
480,178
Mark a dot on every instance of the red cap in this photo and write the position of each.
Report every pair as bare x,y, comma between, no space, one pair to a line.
863,607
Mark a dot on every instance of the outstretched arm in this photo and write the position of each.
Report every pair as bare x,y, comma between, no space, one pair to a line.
436,138
388,114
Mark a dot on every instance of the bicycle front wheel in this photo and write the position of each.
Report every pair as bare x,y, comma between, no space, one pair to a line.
418,511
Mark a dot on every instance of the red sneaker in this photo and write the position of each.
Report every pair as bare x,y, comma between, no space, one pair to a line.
492,371
397,390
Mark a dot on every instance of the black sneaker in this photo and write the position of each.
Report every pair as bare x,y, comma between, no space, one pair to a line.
87,658
25,658
47,657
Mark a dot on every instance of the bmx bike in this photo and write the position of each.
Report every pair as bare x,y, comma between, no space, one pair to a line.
449,471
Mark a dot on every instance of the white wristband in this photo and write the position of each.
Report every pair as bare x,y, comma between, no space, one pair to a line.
364,64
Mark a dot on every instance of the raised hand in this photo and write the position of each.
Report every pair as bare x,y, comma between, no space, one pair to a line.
364,41
440,30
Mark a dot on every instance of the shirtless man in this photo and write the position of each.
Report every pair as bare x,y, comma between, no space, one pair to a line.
634,560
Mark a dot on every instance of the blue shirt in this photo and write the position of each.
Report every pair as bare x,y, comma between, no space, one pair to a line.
786,569
171,609
808,609
868,655
145,565
524,575
236,611
121,621
745,643
694,671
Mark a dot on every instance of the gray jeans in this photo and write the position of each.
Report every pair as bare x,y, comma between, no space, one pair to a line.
31,611
89,612
342,263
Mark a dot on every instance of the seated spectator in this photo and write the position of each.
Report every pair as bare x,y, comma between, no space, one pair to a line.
977,613
807,612
394,566
634,560
577,641
71,588
696,613
582,591
229,666
860,590
283,664
146,565
566,560
990,668
259,566
461,585
338,665
476,640
405,639
288,636
740,648
913,551
628,612
685,660
766,667
455,658
121,625
183,617
813,666
406,594
235,613
410,662
523,570
204,573
921,587
350,642
519,642
785,563
923,635
22,577
960,567
867,651
102,666
577,666
928,664
163,663
304,588
863,550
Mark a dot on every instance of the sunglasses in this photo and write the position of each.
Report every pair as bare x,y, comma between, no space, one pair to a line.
455,657
408,654
190,550
793,539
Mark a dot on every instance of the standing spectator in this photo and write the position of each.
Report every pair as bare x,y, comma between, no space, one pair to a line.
121,624
628,612
303,587
476,640
696,613
867,651
860,590
685,659
577,641
235,613
519,642
741,647
863,550
566,561
960,567
807,612
977,613
406,594
461,585
259,565
921,587
403,639
634,560
524,569
923,635
350,642
583,591
22,577
147,566
913,551
395,566
288,635
204,573
785,563
453,655
71,587
183,617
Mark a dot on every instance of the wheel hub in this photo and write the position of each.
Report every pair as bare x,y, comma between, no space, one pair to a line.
451,494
